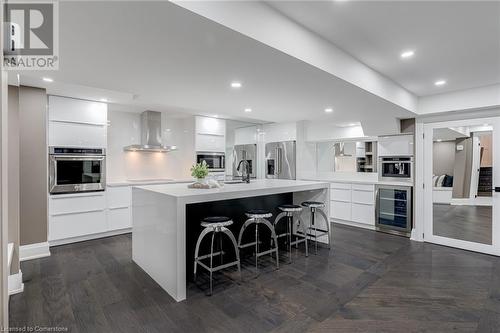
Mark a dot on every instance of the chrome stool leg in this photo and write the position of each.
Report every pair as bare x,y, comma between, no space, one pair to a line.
327,221
236,250
197,249
211,260
256,244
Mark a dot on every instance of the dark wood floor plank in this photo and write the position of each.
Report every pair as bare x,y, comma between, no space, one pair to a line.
368,282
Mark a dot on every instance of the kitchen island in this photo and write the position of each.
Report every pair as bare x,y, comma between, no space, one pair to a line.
166,219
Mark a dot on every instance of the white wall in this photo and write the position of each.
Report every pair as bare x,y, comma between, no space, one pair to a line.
125,129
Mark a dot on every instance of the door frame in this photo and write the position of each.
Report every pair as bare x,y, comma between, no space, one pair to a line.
494,248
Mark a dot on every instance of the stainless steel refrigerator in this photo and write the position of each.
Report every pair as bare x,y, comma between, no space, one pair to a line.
245,152
280,160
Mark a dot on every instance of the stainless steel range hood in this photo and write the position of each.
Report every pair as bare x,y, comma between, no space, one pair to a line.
150,134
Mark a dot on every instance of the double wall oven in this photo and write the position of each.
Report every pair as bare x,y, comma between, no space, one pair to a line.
73,170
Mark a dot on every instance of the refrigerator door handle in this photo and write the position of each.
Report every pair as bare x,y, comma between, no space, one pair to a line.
279,158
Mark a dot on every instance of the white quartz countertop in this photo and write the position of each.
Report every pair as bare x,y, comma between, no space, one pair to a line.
354,178
228,191
146,182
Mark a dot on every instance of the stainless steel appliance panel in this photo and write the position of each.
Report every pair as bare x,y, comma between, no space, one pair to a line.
281,160
245,152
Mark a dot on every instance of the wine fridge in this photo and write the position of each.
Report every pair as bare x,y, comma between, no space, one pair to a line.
394,209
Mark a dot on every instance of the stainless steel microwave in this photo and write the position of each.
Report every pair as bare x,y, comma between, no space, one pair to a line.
73,170
396,168
215,161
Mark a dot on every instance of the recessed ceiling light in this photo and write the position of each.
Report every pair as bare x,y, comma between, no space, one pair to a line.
47,79
103,99
407,54
328,110
439,140
235,84
248,110
439,82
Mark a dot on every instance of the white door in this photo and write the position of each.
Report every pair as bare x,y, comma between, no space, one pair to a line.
467,219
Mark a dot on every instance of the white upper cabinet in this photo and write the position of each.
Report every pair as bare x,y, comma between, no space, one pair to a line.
245,135
210,134
277,132
76,110
210,126
399,145
77,123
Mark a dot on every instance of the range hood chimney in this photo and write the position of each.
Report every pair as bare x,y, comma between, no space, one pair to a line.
150,134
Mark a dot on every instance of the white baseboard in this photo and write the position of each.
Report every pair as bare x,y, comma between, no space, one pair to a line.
354,224
15,283
89,237
479,201
34,251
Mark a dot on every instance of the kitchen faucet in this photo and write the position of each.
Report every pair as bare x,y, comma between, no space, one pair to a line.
245,172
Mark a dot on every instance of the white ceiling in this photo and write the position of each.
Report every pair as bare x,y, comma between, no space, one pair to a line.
458,41
158,56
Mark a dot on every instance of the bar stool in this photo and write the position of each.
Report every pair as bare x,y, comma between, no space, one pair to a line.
258,217
289,211
216,225
317,207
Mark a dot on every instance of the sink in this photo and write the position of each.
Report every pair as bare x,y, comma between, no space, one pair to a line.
234,182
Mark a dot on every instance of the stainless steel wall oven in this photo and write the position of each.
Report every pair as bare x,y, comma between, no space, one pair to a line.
73,170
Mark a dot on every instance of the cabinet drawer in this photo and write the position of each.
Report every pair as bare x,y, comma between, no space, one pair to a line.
340,195
340,210
118,197
363,213
119,218
345,186
363,197
79,224
364,187
75,204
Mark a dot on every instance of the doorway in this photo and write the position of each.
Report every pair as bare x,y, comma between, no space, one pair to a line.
461,166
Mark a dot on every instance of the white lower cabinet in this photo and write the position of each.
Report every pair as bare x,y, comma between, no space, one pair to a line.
119,218
353,203
362,213
74,217
77,224
340,210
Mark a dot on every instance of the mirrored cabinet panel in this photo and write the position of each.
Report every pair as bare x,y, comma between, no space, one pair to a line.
346,156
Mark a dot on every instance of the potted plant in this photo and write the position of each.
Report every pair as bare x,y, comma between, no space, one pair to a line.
200,171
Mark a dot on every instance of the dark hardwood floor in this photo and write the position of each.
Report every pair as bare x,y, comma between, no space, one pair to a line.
470,223
369,282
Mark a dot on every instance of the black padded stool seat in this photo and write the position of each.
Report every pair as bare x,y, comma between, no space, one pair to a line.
290,208
313,204
258,213
216,221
